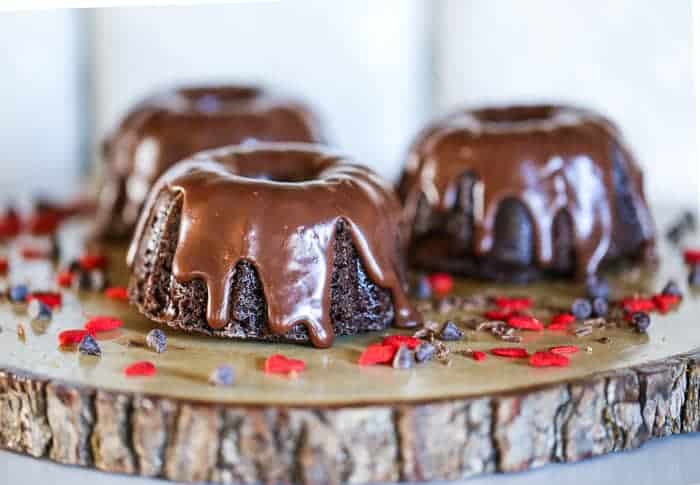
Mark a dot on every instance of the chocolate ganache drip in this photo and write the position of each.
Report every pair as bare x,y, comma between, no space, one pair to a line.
277,206
557,163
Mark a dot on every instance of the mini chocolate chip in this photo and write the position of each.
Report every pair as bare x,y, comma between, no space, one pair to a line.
403,358
425,352
156,340
599,307
694,276
450,331
672,289
422,289
89,346
597,288
223,375
18,293
582,309
641,321
38,310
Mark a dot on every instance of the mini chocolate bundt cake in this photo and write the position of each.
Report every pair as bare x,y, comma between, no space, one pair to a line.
514,194
172,125
272,241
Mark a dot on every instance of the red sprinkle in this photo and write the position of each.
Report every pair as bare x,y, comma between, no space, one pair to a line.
71,337
92,261
141,368
279,364
441,283
64,279
10,225
638,304
117,293
44,223
377,354
399,340
102,324
499,315
31,253
691,256
513,303
524,322
478,355
48,298
4,266
548,359
512,352
564,349
561,321
664,303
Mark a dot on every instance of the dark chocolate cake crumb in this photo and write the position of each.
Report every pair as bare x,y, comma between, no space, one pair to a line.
424,352
641,321
156,340
581,309
599,307
450,332
672,289
223,375
89,346
403,359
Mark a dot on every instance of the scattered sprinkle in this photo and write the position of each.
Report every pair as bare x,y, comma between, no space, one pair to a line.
478,355
51,299
691,256
142,368
564,349
665,302
548,359
156,340
511,352
424,352
399,340
103,324
641,321
118,293
38,310
671,288
89,262
636,304
561,321
71,337
583,331
89,346
403,358
441,283
377,354
582,309
279,364
599,307
18,293
10,224
505,303
4,266
223,375
450,331
523,322
64,279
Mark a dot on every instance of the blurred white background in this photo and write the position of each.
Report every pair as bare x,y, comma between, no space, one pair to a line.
376,70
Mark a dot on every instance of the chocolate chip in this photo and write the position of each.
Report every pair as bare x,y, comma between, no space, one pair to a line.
582,309
672,289
641,321
422,289
38,310
223,375
597,288
18,293
89,346
450,331
424,352
694,276
599,307
403,358
156,340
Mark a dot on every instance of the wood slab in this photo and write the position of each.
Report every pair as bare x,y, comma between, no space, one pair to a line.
339,422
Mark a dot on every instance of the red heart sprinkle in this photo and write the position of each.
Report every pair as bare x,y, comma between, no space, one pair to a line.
71,337
441,283
478,355
548,359
377,354
564,349
141,368
48,298
279,364
664,303
399,340
634,304
44,223
117,293
691,256
511,352
64,279
92,261
561,321
513,303
524,323
102,324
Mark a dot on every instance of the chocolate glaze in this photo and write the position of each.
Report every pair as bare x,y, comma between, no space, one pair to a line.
172,125
554,160
277,206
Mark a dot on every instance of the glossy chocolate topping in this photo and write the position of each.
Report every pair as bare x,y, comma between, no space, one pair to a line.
171,126
549,158
277,206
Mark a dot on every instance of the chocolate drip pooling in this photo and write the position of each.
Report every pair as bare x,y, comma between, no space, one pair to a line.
277,207
555,162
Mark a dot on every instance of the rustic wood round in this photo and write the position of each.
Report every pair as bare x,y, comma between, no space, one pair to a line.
338,422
